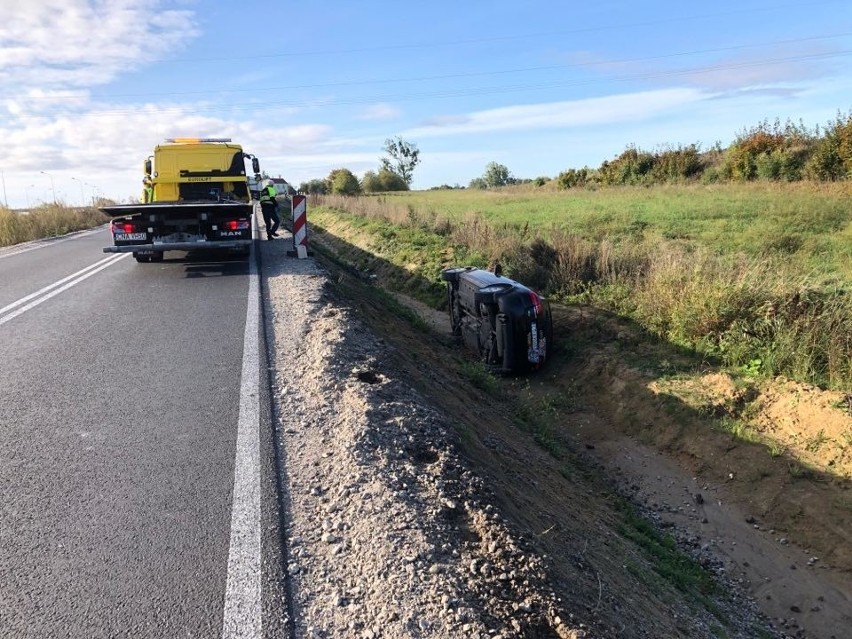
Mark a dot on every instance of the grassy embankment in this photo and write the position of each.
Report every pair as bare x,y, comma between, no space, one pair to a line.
47,220
757,276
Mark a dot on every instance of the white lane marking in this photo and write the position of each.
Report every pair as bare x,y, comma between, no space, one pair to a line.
26,247
242,612
41,291
52,291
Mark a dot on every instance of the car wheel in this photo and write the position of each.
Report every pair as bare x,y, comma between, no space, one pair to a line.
489,294
451,275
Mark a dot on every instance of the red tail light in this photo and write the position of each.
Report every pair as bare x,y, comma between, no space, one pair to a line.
536,301
236,225
123,227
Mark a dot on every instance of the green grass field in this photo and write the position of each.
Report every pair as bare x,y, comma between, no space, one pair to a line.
756,275
807,223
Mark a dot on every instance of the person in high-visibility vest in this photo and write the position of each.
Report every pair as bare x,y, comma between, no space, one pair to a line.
148,192
269,208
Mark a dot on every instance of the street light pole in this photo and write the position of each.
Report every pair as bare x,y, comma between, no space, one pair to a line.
52,185
5,199
82,195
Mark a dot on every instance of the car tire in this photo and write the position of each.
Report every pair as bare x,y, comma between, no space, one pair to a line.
451,275
489,294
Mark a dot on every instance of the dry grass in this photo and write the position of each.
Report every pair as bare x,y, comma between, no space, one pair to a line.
48,220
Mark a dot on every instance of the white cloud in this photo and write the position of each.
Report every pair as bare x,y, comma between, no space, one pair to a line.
36,102
610,109
105,146
380,111
737,68
75,43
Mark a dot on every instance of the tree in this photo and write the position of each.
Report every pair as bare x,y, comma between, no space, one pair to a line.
343,182
497,175
404,156
370,183
382,181
317,186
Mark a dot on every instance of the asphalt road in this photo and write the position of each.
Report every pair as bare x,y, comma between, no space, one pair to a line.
122,397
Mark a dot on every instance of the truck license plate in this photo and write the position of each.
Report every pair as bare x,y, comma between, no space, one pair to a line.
124,237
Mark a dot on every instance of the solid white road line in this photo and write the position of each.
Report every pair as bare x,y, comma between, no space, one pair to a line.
242,612
44,294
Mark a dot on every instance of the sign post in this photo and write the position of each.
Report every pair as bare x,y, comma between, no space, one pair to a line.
300,227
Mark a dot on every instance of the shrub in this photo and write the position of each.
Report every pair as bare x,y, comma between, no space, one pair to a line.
770,152
343,182
315,187
676,164
832,157
825,163
572,177
631,167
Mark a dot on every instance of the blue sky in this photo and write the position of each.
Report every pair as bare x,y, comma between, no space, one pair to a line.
88,87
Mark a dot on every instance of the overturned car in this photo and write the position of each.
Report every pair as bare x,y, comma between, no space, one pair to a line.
506,323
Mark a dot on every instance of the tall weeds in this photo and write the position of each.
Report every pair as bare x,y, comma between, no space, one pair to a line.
48,220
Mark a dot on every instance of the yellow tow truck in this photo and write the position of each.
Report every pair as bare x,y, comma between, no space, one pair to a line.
196,197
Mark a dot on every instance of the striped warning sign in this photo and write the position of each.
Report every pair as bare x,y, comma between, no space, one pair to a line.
300,225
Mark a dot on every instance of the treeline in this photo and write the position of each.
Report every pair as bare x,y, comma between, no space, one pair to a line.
773,151
395,172
344,182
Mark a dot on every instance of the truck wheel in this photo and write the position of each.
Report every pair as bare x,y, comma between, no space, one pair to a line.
141,258
157,257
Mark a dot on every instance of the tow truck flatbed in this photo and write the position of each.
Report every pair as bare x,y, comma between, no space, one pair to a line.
231,209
